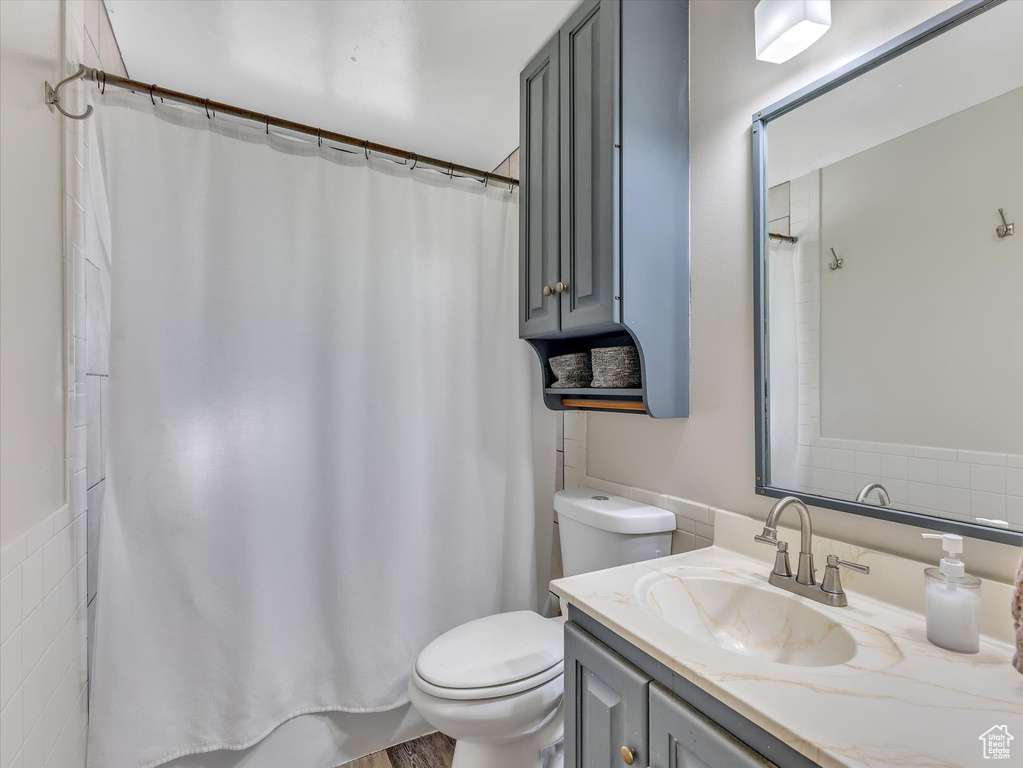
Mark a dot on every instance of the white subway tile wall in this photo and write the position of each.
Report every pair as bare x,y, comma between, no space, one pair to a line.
960,485
694,522
43,644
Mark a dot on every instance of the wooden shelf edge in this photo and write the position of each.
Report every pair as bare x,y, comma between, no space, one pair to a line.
605,405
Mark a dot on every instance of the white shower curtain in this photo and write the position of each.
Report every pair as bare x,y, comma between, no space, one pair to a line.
783,365
325,445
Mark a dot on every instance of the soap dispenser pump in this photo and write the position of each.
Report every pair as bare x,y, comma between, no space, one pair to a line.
953,599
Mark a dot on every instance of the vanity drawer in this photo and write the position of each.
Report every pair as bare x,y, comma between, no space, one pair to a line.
606,705
683,737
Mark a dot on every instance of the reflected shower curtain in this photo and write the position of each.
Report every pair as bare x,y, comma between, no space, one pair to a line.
783,365
322,431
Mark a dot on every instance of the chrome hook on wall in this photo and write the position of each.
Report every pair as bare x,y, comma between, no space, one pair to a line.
53,96
835,263
1005,229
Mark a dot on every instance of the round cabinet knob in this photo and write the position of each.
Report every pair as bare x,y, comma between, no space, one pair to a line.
561,288
627,756
547,290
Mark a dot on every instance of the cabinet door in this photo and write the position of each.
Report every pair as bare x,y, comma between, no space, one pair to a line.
539,233
589,172
683,737
606,703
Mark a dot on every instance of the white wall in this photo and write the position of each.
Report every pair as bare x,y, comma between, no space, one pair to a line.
43,652
922,330
50,285
709,457
31,269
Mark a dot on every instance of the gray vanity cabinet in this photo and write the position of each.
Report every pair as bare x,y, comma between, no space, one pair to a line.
540,304
606,705
622,707
683,737
589,170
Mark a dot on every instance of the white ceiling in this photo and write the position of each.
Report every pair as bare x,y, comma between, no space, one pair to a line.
438,77
965,66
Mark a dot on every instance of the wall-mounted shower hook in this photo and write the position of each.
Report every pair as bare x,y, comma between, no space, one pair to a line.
53,96
1005,229
835,263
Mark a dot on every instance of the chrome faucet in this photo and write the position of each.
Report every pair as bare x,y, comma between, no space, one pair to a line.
805,574
804,583
882,495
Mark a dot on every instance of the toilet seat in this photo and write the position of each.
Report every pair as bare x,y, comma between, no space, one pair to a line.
488,692
494,656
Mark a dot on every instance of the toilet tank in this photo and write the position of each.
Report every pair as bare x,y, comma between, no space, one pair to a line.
599,530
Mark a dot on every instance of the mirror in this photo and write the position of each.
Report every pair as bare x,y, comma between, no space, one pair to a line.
889,289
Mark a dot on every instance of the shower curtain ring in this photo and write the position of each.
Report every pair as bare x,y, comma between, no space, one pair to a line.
319,139
486,178
365,148
268,125
151,94
451,170
415,160
208,110
103,88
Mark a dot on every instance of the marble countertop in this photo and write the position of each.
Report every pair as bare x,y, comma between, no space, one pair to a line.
899,702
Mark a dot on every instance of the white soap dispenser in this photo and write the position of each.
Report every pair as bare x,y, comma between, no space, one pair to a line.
953,599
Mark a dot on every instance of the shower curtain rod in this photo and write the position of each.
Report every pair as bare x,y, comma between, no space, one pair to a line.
104,80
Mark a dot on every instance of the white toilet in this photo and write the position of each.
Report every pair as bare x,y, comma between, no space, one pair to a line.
496,684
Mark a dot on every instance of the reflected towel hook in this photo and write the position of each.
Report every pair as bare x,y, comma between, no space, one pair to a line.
835,263
1005,229
53,96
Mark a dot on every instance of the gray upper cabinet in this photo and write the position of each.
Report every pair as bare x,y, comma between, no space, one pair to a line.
604,206
589,114
539,304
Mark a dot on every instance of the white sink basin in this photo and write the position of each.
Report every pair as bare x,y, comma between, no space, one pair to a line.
755,620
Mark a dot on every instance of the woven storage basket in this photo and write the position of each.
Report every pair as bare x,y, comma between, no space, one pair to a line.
616,368
572,370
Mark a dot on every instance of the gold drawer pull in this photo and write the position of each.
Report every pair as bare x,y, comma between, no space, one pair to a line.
561,288
627,756
547,290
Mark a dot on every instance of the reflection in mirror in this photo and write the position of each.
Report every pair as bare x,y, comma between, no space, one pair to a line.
894,296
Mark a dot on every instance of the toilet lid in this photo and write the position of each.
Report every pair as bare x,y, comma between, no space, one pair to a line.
494,650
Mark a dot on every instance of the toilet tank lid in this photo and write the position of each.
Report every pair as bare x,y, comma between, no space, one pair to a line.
615,514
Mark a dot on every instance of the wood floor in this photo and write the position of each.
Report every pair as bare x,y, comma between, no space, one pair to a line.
434,750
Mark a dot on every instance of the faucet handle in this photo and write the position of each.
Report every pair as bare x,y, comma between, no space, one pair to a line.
781,560
769,536
833,560
832,580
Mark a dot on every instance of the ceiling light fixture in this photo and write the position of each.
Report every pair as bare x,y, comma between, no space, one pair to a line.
786,28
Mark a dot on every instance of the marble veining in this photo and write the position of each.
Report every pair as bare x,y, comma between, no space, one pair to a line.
895,701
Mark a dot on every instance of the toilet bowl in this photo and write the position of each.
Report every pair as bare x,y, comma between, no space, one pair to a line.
496,684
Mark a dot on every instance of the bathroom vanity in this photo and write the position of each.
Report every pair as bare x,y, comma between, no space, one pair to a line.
696,660
630,707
